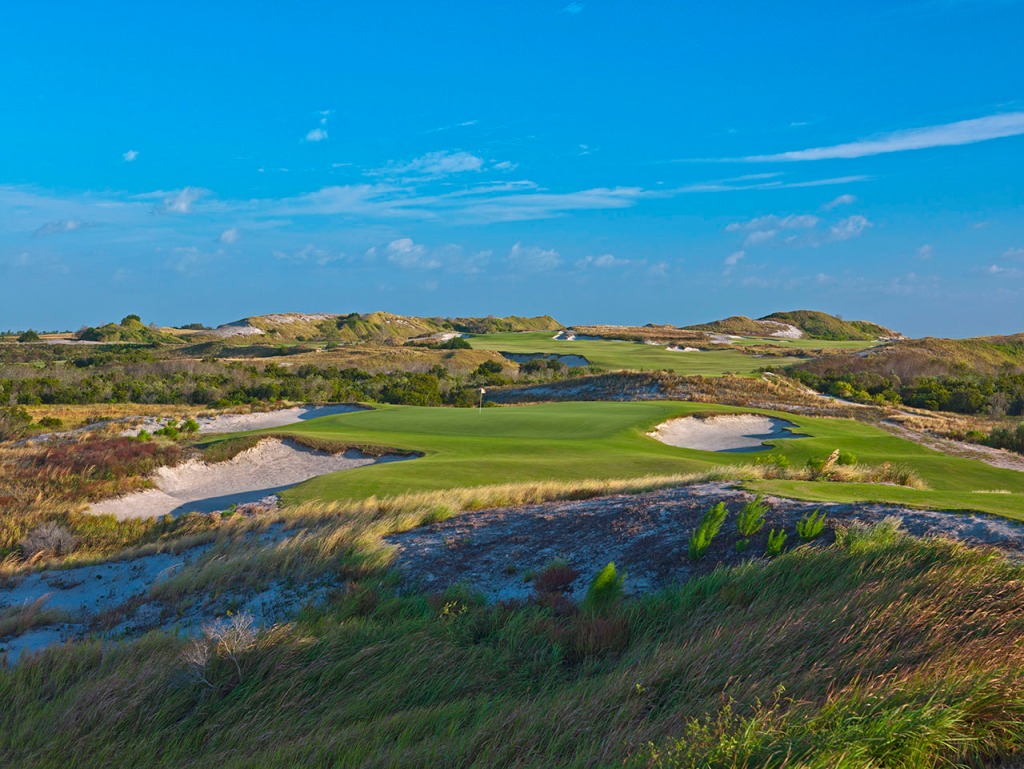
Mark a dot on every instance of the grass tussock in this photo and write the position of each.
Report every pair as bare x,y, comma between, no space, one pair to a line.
878,650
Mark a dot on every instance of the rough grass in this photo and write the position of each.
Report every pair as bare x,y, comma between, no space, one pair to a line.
876,651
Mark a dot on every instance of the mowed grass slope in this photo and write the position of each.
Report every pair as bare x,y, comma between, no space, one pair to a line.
600,440
617,355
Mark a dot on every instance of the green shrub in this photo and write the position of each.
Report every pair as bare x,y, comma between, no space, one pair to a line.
751,517
846,458
51,422
605,589
776,541
28,336
190,426
169,430
709,526
144,436
742,545
810,526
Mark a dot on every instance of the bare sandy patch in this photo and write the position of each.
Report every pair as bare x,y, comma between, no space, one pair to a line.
196,486
725,432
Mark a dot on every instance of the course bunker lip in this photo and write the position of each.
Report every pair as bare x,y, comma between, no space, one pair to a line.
572,361
267,468
723,432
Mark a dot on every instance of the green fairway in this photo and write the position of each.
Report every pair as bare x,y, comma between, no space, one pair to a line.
575,441
617,355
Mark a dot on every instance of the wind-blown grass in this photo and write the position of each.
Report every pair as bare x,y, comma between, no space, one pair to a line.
882,651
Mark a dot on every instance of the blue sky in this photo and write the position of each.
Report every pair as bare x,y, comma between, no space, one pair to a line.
603,162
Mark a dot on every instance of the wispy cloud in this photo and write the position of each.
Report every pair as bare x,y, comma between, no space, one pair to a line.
319,133
574,9
842,200
130,156
848,228
229,236
945,135
59,226
926,251
604,261
436,164
764,182
181,202
405,253
534,258
764,228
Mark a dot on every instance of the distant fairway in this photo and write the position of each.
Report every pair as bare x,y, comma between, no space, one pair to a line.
575,441
617,355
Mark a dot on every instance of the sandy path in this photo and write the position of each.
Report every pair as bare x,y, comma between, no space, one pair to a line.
728,432
195,486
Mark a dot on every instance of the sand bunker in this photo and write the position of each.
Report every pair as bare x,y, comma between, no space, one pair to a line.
267,468
259,420
726,432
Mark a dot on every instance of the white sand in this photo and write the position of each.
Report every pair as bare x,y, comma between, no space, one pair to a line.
677,348
258,420
269,467
728,432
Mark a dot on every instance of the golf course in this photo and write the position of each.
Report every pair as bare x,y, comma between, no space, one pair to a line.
601,440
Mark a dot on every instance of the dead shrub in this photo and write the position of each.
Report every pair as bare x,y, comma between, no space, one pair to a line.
555,578
48,538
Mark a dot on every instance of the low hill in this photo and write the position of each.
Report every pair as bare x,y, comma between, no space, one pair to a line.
131,329
912,359
799,324
380,327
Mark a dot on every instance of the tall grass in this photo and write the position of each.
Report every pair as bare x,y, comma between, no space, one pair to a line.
875,651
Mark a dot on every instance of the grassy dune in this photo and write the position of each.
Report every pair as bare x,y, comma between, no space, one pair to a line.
596,440
876,651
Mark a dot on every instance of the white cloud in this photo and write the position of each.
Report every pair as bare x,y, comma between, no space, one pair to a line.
229,236
438,164
574,9
533,258
946,135
181,202
764,228
925,251
318,134
842,200
848,228
130,156
405,253
603,261
1014,254
734,258
751,182
58,226
1005,272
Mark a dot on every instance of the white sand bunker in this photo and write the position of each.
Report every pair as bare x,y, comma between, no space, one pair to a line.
267,468
725,432
233,423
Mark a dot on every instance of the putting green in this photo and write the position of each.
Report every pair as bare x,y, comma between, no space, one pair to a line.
617,355
575,441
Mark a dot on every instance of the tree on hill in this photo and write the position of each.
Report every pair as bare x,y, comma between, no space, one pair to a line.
28,336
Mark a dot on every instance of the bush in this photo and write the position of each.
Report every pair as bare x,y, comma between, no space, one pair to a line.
51,422
751,517
13,422
810,526
557,577
455,343
28,336
709,526
605,589
776,541
50,538
190,426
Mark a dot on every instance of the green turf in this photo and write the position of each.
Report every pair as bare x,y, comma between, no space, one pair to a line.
616,355
572,441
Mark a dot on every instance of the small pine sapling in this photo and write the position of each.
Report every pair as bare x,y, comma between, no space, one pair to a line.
709,526
751,517
605,589
776,541
810,526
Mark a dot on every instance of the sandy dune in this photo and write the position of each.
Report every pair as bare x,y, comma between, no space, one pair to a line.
267,468
728,432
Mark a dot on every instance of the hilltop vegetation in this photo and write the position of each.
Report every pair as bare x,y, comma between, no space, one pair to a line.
131,329
378,327
810,323
971,376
